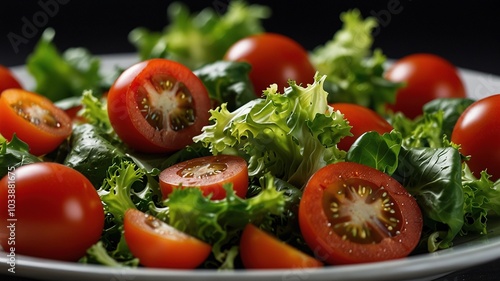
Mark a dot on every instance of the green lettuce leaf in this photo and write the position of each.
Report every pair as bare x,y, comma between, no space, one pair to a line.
14,154
291,135
354,72
59,76
204,37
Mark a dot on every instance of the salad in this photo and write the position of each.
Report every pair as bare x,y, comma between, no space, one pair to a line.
214,152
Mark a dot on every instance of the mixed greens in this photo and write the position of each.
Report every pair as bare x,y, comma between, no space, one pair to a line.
285,137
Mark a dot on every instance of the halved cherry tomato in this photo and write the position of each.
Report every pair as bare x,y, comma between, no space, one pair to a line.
7,80
352,213
427,77
157,244
208,173
158,106
477,131
260,250
49,211
34,119
274,58
362,120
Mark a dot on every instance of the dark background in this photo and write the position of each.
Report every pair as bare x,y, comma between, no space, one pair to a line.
465,32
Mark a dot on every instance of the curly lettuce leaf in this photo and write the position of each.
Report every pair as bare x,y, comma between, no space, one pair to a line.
59,76
481,199
354,72
220,222
290,135
200,38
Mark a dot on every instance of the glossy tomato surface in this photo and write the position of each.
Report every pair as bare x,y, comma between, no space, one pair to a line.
8,80
260,250
426,77
477,131
34,119
158,106
49,211
274,58
362,120
351,213
157,244
208,173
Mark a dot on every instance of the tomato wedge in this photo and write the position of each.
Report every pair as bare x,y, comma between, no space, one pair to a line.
351,213
209,173
34,119
158,106
157,244
260,250
7,80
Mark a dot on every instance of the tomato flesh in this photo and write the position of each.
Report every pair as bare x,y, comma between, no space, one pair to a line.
158,244
158,106
352,213
260,250
34,119
477,131
58,213
208,173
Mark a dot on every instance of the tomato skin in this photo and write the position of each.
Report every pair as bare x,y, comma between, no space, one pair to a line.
274,58
8,80
126,117
427,77
477,131
362,120
42,138
164,248
260,250
228,168
58,212
318,228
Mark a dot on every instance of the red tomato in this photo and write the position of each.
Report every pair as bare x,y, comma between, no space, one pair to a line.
260,250
362,120
274,58
7,80
56,210
158,106
209,173
352,213
478,132
427,77
157,244
34,119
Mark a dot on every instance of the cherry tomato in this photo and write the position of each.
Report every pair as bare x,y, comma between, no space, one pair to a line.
8,80
352,213
158,244
477,131
56,210
427,77
274,58
158,106
209,173
260,250
362,120
34,119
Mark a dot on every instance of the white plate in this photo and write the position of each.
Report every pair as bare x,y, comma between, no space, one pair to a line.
468,252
